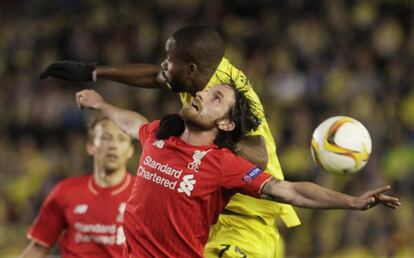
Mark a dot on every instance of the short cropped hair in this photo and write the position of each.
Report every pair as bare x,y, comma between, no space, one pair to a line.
93,123
201,44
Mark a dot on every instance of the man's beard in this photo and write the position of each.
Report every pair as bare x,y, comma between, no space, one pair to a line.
191,121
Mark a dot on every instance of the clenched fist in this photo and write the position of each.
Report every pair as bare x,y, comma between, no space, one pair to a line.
89,99
69,71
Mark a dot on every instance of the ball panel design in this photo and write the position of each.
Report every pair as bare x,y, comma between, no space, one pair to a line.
341,145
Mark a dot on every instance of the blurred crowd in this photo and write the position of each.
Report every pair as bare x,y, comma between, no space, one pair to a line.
308,60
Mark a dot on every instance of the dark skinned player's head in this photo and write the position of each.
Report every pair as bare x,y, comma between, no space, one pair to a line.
193,54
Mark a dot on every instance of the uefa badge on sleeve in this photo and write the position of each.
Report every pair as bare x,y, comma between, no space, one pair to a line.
251,174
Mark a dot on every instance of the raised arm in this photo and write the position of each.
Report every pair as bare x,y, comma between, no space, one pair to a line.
138,75
127,120
310,195
35,250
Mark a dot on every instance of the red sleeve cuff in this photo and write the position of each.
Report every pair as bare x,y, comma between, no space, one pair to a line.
40,242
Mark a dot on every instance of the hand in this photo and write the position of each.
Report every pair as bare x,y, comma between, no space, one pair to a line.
89,99
374,197
69,71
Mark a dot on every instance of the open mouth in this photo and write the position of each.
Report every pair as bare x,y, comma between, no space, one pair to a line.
195,105
165,78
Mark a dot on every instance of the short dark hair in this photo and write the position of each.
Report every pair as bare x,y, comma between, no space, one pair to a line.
243,114
201,44
93,123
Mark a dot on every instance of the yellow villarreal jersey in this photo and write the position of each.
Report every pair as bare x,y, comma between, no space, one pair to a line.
243,204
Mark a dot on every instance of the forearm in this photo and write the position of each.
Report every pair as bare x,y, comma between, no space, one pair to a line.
311,195
306,195
127,120
35,250
139,75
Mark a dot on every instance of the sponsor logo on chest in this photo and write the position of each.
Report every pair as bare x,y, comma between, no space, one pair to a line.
88,230
171,177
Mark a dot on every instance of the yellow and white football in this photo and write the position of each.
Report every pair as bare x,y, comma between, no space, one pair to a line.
341,145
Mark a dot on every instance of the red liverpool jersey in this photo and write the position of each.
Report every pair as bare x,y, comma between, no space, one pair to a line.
179,192
85,218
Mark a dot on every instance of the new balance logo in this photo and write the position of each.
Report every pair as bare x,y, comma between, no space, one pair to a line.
187,185
158,143
197,156
80,209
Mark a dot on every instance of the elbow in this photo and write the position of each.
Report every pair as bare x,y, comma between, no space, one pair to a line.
133,131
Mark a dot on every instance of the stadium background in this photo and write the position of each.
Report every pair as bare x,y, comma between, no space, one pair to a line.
308,60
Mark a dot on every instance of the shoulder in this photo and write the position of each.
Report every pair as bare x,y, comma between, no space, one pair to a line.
73,182
224,155
148,130
151,127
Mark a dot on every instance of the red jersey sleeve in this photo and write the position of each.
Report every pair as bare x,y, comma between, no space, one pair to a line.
241,175
147,130
50,222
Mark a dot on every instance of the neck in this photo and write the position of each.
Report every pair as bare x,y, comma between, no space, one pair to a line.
104,179
202,79
198,137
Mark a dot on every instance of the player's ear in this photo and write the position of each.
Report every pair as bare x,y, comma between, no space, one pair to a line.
192,70
90,149
226,124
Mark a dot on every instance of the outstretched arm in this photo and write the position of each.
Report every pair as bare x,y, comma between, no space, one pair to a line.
310,195
138,75
127,120
35,250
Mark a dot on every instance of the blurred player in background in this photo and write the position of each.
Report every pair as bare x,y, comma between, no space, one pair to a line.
184,181
195,61
86,213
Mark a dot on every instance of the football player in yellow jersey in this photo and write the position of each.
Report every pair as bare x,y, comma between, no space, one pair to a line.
195,61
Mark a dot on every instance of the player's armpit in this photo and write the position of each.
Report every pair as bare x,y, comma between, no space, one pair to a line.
35,250
170,125
253,149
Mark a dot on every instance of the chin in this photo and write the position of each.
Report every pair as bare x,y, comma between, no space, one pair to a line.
193,121
111,168
176,87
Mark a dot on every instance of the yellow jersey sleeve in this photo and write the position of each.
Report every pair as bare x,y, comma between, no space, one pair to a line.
226,73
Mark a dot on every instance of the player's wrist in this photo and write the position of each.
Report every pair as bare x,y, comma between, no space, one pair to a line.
87,72
353,203
101,106
94,76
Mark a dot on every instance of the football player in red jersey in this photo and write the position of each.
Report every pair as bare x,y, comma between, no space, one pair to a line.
86,213
183,182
